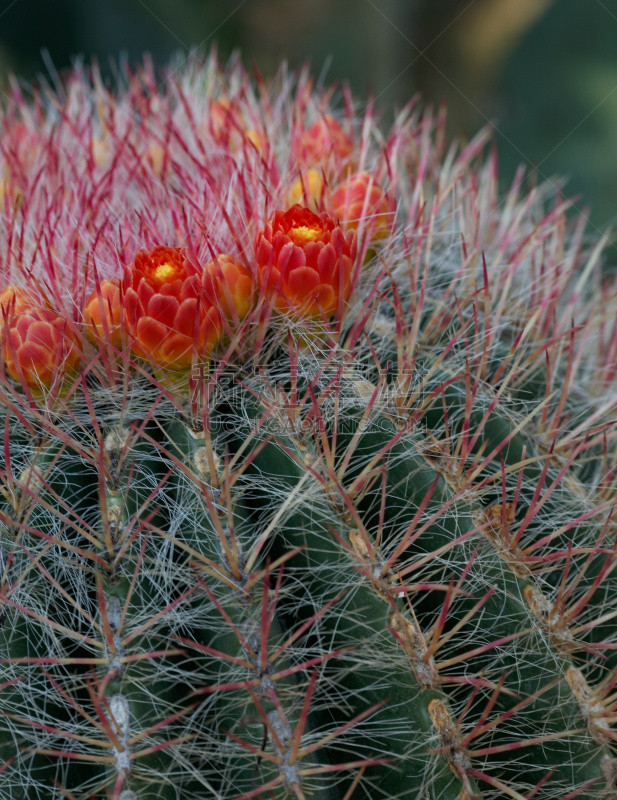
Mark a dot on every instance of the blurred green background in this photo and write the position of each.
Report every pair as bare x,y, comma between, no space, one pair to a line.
543,71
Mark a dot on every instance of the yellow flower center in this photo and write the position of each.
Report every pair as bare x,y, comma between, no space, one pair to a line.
304,233
165,272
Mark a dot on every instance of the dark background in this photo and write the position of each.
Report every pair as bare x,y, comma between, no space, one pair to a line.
544,72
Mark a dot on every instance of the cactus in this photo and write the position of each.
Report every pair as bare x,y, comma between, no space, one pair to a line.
307,469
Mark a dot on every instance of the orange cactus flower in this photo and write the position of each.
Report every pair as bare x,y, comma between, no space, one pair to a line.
305,262
229,286
324,139
170,320
103,313
39,345
360,200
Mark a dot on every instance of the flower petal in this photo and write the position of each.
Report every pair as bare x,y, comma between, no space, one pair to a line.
163,309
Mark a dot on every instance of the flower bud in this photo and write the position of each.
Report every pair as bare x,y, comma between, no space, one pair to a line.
103,313
14,300
360,201
257,139
325,140
308,189
39,345
228,285
221,120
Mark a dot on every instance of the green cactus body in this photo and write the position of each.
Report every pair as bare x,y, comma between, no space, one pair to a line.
308,469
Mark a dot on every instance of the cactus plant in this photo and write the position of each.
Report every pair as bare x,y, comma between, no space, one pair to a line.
307,464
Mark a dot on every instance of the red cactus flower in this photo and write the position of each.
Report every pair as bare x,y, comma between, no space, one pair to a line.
305,262
228,285
103,314
360,200
39,346
170,320
325,139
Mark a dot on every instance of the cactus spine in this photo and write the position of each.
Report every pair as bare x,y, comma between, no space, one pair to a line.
307,464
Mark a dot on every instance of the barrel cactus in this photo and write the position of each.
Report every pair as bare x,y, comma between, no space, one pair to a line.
308,456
